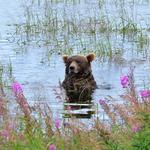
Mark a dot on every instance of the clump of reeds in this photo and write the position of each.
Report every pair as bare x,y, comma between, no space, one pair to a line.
65,33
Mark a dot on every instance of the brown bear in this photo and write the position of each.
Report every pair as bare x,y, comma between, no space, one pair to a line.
79,82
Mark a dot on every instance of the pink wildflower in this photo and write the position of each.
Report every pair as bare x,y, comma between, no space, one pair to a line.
124,81
57,123
102,102
16,88
5,134
21,100
135,128
52,147
145,93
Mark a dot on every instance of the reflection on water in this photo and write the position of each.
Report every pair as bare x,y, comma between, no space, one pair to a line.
78,110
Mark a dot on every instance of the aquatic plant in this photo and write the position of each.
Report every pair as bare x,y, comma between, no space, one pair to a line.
65,33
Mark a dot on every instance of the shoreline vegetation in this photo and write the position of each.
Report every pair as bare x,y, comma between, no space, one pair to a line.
34,127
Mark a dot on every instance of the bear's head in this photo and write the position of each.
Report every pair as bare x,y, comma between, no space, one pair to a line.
78,64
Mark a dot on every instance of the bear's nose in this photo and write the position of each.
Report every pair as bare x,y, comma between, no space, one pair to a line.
71,67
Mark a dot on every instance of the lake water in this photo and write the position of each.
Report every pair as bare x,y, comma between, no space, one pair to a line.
40,80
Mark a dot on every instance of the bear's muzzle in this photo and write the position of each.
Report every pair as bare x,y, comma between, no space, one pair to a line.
73,68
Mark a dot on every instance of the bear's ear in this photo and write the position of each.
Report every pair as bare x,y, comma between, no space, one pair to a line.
65,58
90,57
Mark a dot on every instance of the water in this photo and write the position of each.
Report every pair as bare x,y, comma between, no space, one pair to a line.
40,79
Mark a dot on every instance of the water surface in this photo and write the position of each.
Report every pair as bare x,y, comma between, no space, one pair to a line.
40,79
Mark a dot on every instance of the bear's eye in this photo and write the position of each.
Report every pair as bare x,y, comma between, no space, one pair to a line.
69,61
78,62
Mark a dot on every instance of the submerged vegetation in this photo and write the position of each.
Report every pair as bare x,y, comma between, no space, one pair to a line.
83,26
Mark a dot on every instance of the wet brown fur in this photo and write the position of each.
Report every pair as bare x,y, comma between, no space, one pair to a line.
79,86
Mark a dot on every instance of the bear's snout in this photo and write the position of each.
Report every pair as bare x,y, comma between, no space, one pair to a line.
73,68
